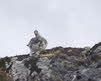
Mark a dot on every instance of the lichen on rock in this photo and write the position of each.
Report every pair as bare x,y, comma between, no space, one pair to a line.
68,64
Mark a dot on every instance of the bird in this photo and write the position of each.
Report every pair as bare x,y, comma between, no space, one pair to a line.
37,44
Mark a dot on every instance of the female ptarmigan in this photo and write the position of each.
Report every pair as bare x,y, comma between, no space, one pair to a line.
37,44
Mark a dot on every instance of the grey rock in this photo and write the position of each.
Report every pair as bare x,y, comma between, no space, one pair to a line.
58,68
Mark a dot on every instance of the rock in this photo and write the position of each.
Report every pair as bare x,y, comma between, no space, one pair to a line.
95,53
68,64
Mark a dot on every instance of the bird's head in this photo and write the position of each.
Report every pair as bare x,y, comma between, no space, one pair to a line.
36,32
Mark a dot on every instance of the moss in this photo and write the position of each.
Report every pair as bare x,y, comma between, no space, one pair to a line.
3,76
96,58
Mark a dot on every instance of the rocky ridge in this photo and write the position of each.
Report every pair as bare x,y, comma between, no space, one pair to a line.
68,64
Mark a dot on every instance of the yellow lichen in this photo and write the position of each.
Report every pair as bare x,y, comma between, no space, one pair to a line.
47,55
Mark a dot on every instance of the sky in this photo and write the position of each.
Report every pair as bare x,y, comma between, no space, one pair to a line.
67,23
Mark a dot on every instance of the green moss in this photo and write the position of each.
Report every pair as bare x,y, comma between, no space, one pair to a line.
3,76
96,58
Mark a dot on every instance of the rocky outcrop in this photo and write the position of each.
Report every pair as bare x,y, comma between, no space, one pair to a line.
66,64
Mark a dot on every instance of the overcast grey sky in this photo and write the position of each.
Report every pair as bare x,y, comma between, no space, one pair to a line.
75,23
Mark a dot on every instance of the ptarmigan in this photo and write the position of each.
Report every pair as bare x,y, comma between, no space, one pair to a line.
37,44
